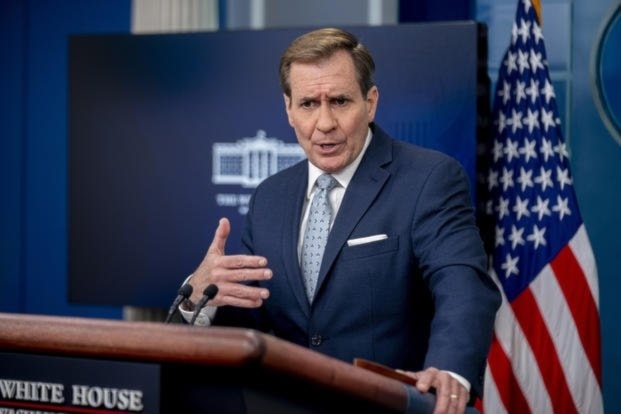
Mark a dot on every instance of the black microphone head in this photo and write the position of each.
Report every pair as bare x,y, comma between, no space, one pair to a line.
186,290
210,291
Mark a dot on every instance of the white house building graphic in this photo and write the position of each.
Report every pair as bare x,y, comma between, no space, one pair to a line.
250,160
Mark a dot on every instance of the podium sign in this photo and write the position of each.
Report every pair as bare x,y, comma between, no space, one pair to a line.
39,383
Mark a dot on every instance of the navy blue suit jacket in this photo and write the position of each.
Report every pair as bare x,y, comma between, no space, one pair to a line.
419,298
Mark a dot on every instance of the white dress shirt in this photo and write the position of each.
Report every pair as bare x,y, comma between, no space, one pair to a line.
335,196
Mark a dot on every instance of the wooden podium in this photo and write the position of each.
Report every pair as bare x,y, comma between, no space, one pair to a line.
83,365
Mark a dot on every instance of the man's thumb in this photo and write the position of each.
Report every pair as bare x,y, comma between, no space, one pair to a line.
222,234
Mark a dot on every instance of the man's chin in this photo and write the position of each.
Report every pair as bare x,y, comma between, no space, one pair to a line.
330,166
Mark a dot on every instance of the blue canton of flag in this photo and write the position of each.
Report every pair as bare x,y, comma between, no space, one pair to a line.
529,182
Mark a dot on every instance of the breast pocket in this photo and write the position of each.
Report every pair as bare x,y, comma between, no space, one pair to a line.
374,248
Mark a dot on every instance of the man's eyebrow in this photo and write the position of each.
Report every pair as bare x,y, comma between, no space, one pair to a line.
343,95
340,96
305,98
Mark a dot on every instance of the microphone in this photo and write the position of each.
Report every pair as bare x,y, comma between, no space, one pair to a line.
184,292
209,292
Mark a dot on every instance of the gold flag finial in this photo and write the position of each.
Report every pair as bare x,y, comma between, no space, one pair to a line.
537,6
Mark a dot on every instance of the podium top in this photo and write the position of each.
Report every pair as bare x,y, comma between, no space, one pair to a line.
184,344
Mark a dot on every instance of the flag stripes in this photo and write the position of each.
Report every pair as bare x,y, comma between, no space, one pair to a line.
562,347
534,327
582,307
510,393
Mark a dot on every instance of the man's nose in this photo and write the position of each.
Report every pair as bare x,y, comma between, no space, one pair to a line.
326,121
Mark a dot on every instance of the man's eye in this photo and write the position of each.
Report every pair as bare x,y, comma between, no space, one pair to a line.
339,101
307,104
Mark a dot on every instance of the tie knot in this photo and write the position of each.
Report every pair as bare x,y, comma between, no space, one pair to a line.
326,182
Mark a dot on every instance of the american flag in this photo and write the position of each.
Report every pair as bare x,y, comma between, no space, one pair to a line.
545,355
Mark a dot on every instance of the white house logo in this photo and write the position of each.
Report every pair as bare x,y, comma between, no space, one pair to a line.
249,161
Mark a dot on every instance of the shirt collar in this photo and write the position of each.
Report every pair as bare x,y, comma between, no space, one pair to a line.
344,176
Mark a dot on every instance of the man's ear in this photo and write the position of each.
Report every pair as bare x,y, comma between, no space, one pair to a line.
288,108
372,98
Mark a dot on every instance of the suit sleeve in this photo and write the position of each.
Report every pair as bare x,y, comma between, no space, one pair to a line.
452,259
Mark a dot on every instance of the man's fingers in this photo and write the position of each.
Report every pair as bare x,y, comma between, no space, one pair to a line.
426,379
451,395
230,273
240,261
245,275
219,239
235,294
240,275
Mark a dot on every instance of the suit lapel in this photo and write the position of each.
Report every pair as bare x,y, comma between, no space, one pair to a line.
364,187
291,218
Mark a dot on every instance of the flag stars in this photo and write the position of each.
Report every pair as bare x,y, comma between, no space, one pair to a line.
514,33
535,61
522,61
505,93
544,178
511,150
561,150
546,149
510,266
548,91
529,181
562,207
528,150
541,208
537,237
563,178
516,237
503,208
520,91
507,178
497,150
500,236
533,91
511,62
524,30
502,122
525,178
521,208
515,121
537,33
492,180
547,118
531,120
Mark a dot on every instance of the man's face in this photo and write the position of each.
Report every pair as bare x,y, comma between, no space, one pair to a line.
328,112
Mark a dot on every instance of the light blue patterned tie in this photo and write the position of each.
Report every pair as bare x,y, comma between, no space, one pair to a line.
316,235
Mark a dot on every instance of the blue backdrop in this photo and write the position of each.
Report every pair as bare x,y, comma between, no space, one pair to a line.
147,113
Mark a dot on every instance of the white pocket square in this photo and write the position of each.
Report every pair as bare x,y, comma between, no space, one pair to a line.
368,239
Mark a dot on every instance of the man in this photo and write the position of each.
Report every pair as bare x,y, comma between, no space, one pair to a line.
402,279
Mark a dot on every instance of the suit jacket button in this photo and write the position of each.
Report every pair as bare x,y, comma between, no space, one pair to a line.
316,340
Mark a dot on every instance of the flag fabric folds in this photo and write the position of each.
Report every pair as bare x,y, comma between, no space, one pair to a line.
545,355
